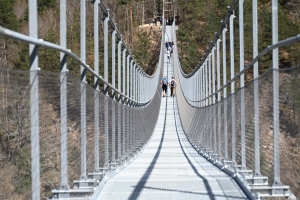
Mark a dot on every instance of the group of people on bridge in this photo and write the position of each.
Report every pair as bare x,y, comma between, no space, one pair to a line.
164,83
168,21
169,49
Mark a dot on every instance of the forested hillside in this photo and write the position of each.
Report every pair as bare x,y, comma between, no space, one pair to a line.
201,19
127,14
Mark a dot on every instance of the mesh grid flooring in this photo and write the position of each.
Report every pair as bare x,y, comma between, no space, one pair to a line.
169,167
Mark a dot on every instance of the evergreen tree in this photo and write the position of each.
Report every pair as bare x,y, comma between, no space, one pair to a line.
7,17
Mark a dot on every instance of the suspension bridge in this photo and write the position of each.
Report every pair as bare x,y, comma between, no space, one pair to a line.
121,139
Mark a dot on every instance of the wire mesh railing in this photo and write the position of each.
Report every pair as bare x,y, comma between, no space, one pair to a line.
67,136
246,130
133,126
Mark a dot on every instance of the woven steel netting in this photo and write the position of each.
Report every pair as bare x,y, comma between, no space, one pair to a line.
199,126
129,128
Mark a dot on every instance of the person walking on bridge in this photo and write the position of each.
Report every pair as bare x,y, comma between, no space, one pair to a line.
164,85
167,45
172,85
168,55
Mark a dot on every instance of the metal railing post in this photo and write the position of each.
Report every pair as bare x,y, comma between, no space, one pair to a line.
209,78
123,111
131,72
242,84
124,72
141,85
106,162
119,97
96,87
127,75
214,101
132,86
194,92
113,126
224,96
135,98
34,102
130,105
197,88
139,82
190,81
219,94
83,89
63,98
203,85
233,134
210,98
206,82
256,91
127,111
120,65
146,87
200,87
135,82
213,73
276,131
113,57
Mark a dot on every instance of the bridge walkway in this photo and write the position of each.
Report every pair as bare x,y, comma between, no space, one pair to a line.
169,167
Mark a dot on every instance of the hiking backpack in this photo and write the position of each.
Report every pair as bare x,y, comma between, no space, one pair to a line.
172,83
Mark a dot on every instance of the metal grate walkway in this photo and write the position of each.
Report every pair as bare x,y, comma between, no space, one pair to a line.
169,167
